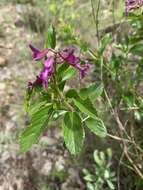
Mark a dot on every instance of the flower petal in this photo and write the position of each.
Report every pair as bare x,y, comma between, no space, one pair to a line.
38,54
68,56
32,84
44,76
132,4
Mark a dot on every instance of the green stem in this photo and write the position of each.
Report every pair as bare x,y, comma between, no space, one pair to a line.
62,97
60,94
101,68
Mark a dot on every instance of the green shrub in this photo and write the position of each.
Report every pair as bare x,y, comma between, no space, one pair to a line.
102,177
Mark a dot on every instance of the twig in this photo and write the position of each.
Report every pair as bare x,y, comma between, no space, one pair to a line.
96,18
124,141
119,139
118,170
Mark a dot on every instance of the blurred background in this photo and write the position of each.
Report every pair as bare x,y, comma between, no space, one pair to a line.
49,166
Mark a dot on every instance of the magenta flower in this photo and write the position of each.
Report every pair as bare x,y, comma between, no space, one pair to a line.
85,68
68,56
47,71
132,4
32,84
38,54
44,76
65,56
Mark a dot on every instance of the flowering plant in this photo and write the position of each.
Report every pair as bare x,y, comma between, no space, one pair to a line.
132,4
47,99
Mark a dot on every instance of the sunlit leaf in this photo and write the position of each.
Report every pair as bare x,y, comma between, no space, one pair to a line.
73,132
51,38
85,106
40,116
97,126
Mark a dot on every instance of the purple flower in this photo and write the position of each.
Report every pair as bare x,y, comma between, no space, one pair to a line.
85,68
32,84
47,71
132,4
68,56
38,54
44,76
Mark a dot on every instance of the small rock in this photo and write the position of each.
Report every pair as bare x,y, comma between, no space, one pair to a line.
46,169
60,163
2,86
3,62
9,125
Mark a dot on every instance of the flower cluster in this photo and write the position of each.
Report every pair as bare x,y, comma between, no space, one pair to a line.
53,57
132,4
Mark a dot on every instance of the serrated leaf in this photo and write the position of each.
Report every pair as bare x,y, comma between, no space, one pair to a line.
73,132
51,38
36,106
93,92
27,142
97,126
39,120
85,106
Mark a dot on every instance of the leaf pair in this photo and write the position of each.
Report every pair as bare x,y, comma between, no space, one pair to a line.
74,133
73,126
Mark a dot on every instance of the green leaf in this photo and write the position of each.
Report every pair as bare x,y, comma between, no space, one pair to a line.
90,186
61,85
62,68
72,94
69,73
111,185
40,116
58,113
97,159
106,174
104,42
51,38
90,178
36,106
73,132
137,49
85,106
97,126
93,92
109,153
